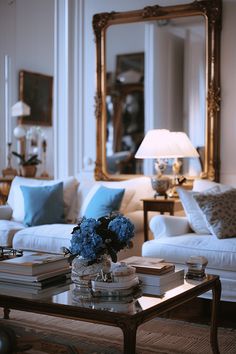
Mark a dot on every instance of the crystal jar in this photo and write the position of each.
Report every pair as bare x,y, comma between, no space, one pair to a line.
85,270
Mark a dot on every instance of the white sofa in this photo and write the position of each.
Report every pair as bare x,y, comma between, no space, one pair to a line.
175,241
76,194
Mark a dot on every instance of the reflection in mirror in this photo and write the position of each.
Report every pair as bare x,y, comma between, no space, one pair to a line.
175,52
125,127
175,87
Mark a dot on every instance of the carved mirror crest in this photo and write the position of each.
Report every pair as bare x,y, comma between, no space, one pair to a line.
164,73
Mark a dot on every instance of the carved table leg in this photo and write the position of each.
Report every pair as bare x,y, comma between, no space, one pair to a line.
129,331
216,293
6,313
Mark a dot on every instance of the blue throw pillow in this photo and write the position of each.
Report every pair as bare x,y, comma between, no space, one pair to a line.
104,201
43,205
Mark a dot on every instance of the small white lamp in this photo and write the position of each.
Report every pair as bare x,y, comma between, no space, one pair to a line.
20,109
161,144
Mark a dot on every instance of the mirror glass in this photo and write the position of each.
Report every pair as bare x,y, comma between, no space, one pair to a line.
169,57
157,68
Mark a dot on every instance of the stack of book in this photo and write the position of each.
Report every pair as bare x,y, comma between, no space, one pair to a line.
33,273
156,275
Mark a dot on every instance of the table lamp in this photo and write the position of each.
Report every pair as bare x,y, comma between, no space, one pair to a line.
20,109
161,145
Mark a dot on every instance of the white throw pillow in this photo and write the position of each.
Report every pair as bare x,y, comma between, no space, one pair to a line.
192,210
201,185
16,200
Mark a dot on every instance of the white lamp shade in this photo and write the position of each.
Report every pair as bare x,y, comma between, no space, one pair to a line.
20,109
161,143
183,145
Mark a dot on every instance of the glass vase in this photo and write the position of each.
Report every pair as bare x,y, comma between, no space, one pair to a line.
85,270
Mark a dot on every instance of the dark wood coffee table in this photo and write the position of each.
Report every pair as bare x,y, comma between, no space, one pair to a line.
141,310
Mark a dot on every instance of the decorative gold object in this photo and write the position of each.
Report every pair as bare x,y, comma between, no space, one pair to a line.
210,10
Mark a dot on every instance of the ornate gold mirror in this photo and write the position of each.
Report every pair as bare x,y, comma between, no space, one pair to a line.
157,68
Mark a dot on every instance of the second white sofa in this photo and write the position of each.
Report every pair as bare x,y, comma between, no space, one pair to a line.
175,241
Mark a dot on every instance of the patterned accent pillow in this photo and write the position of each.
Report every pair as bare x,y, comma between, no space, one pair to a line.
220,212
193,212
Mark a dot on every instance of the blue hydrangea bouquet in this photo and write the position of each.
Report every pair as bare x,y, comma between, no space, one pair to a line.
93,238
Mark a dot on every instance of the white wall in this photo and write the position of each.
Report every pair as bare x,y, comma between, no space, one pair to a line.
26,35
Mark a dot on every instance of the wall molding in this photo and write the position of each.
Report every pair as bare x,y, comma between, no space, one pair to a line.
68,87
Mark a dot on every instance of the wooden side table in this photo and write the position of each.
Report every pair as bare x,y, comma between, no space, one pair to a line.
159,204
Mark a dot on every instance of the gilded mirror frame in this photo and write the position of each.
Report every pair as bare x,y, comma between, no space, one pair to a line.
212,11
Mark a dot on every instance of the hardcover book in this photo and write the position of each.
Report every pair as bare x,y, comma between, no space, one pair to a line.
148,265
5,276
161,280
35,284
34,264
160,290
34,293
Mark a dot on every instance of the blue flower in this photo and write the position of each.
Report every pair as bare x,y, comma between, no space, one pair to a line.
92,238
123,228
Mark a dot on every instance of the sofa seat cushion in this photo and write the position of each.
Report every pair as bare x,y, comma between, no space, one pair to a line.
8,228
45,238
221,254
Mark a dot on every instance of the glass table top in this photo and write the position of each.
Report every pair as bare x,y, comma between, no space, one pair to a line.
69,296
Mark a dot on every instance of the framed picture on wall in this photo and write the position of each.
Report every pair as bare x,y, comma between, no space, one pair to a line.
130,66
36,91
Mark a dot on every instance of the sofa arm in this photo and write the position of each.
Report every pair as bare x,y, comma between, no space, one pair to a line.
167,226
5,212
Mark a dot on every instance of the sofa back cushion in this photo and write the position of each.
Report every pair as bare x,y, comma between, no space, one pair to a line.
16,200
135,190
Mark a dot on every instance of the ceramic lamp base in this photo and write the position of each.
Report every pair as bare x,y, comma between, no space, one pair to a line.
160,185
